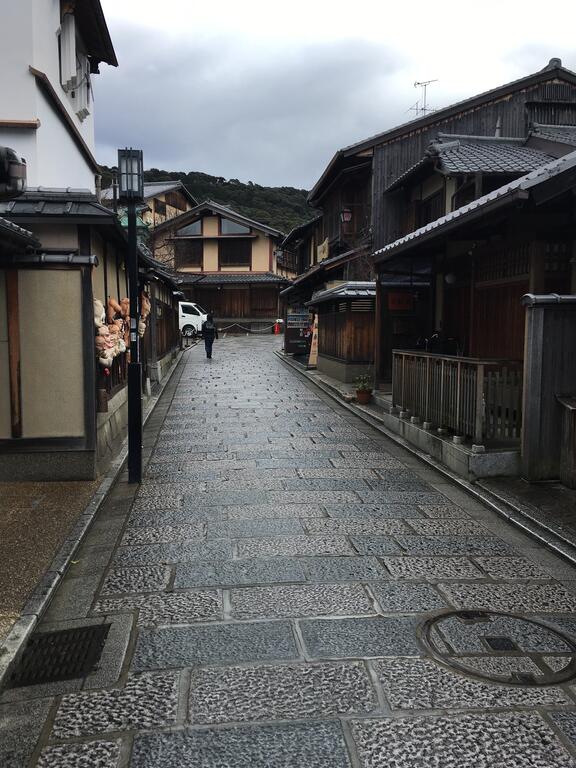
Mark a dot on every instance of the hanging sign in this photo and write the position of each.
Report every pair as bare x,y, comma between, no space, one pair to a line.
313,357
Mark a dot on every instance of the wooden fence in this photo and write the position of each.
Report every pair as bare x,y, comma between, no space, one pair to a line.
478,399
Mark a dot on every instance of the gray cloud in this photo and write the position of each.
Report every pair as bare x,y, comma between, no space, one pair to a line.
274,117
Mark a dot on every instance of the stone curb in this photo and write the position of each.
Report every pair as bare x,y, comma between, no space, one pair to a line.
44,591
516,515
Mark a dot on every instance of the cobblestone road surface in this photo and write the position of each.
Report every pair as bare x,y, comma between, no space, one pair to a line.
265,591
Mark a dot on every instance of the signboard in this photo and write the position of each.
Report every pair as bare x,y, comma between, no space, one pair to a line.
295,342
400,301
313,358
322,251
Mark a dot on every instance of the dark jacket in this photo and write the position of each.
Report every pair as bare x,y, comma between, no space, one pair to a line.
209,330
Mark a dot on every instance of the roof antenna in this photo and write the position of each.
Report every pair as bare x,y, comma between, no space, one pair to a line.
424,108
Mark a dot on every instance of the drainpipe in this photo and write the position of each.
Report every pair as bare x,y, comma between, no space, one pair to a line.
98,182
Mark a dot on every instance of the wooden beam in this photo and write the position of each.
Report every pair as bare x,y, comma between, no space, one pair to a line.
14,352
537,279
31,125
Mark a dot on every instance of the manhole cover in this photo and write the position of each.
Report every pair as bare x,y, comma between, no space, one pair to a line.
500,647
65,655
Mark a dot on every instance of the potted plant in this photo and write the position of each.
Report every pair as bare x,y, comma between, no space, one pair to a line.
363,386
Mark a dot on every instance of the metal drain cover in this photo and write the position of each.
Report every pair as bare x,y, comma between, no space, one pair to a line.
64,655
500,647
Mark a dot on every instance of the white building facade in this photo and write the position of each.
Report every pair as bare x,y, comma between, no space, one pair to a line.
50,51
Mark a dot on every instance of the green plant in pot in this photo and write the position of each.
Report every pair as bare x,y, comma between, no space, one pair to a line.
363,386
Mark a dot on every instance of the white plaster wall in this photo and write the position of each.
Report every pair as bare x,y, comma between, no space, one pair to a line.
29,37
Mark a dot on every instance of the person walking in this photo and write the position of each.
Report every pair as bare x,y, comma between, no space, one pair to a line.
209,332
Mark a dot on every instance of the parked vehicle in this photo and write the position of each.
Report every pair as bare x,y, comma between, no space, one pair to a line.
191,317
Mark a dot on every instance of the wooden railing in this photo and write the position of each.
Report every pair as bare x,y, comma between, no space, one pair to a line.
474,398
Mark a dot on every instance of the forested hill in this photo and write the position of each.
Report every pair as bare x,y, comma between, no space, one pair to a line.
280,207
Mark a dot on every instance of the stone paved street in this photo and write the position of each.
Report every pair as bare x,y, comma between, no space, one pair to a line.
266,589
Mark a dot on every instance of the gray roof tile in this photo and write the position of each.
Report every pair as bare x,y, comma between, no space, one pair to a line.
479,155
563,134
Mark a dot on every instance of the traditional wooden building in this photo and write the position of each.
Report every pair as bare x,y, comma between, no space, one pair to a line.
479,261
225,262
345,329
67,383
163,200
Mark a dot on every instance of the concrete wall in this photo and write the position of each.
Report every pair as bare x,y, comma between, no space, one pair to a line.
342,371
5,426
51,353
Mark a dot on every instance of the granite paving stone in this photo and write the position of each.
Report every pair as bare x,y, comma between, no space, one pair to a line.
349,526
146,701
359,510
454,545
442,511
344,569
318,744
265,511
182,516
269,570
152,578
396,597
375,545
163,534
171,608
92,754
213,644
257,527
511,568
359,637
423,684
449,527
566,722
174,552
433,568
286,546
300,600
526,598
280,692
510,740
325,484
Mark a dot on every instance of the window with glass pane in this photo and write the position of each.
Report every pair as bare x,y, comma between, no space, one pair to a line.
228,227
235,253
188,253
191,229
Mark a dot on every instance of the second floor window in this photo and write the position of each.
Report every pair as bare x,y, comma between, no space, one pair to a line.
187,253
228,227
235,253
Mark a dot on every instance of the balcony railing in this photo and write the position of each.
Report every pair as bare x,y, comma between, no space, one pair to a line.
474,398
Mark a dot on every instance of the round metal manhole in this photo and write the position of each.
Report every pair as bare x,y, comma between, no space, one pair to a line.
499,647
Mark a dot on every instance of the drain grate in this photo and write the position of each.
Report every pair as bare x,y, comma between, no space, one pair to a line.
499,647
64,655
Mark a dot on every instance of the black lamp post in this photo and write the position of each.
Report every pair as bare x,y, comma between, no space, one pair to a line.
130,192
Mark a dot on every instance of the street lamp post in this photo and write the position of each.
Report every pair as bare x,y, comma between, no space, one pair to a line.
130,192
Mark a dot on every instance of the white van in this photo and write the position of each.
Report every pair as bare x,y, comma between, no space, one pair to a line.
191,317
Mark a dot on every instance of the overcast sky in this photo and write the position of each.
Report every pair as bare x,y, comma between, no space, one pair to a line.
268,91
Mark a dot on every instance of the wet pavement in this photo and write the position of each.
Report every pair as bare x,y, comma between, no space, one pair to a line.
267,591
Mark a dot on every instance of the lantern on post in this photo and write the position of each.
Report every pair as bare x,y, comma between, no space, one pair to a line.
130,192
346,216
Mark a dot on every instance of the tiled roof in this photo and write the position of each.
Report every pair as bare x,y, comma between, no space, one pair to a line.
209,206
14,232
352,290
228,278
40,201
477,154
487,155
523,184
153,188
563,134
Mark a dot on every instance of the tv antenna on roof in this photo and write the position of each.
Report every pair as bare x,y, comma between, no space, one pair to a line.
424,109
